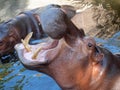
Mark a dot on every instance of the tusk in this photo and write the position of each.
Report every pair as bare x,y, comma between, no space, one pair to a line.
36,53
26,46
27,38
26,41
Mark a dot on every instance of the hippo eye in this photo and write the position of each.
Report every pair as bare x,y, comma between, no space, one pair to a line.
90,45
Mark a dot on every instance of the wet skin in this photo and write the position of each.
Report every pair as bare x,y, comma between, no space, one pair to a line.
74,61
12,31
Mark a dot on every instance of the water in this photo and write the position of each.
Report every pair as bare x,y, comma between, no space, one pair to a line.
112,44
13,76
16,77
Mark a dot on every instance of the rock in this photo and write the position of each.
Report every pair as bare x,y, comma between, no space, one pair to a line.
97,21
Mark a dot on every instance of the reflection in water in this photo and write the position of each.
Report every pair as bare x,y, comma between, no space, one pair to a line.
14,76
7,58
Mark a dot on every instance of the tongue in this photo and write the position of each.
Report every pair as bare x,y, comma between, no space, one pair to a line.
51,45
40,57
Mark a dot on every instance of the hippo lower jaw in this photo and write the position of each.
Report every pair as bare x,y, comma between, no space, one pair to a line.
42,56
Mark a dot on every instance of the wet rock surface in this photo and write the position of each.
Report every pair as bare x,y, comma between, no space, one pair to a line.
10,8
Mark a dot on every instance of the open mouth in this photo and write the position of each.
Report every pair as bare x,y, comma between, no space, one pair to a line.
34,54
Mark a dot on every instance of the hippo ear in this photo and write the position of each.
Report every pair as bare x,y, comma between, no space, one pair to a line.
98,55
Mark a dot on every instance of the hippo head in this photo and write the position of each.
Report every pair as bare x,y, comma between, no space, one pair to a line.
10,35
8,38
74,61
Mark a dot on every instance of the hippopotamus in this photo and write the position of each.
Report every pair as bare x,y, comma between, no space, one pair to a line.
13,30
73,60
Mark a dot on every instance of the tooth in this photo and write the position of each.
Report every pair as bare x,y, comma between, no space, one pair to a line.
36,53
26,41
27,38
26,46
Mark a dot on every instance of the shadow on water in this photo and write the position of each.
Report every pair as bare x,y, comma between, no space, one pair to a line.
14,76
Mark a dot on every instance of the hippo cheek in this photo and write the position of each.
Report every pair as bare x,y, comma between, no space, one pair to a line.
5,47
44,56
7,43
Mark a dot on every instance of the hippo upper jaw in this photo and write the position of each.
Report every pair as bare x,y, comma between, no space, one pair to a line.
42,57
